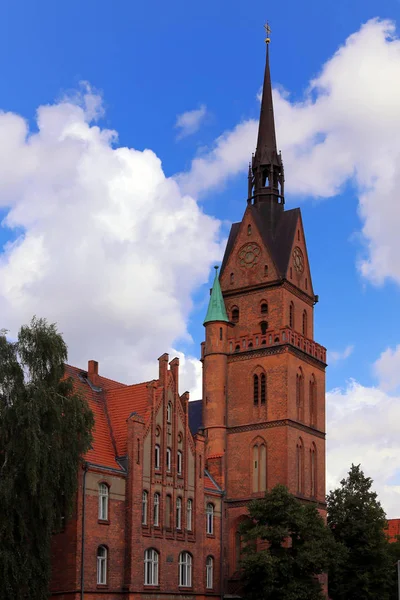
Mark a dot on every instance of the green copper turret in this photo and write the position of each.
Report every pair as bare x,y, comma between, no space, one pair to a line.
216,308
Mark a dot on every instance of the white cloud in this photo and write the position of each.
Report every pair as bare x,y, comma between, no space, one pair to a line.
346,128
363,428
335,356
387,368
189,122
110,248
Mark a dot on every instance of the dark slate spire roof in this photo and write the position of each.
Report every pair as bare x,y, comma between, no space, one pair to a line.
266,151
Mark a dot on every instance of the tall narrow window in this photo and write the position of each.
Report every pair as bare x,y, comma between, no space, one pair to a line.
220,333
209,572
255,389
168,505
185,569
300,466
210,518
256,468
145,501
169,412
157,456
232,278
235,315
179,462
101,565
313,401
265,270
264,308
305,323
151,567
156,510
313,470
263,385
168,459
291,315
300,395
259,468
103,502
179,513
189,512
264,327
248,229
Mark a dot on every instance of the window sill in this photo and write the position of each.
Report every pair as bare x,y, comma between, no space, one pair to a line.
150,586
103,521
102,586
185,587
210,535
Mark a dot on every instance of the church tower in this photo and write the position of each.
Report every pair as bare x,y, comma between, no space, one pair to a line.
264,374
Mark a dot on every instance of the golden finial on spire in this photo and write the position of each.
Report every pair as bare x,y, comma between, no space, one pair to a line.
268,31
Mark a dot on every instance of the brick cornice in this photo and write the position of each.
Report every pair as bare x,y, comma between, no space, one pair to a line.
278,283
238,502
278,349
278,423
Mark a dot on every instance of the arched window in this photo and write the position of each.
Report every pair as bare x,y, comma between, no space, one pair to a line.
168,459
248,229
189,512
210,518
313,401
264,327
235,315
305,323
169,412
156,510
151,567
157,456
103,501
291,315
265,270
264,308
179,462
259,468
145,502
232,277
313,470
101,565
178,523
263,386
168,506
255,389
300,395
209,572
185,569
300,466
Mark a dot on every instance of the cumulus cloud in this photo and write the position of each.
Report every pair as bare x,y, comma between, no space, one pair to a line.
387,369
105,244
362,427
335,356
189,122
347,128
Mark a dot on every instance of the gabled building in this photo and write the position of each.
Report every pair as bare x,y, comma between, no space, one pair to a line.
167,481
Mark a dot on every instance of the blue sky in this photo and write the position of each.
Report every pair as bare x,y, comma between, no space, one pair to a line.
144,66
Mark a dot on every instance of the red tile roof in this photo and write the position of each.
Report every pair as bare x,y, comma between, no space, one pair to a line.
111,408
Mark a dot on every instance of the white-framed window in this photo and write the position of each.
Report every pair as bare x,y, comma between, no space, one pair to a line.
179,462
179,513
189,512
210,518
168,459
209,572
151,567
157,456
101,565
156,510
185,569
103,501
169,412
145,502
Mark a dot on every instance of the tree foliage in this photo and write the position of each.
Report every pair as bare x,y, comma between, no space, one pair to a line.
286,546
358,521
44,430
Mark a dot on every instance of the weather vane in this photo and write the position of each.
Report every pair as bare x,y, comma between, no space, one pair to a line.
268,31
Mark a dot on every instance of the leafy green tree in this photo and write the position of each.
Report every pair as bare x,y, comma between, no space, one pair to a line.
44,430
286,546
358,521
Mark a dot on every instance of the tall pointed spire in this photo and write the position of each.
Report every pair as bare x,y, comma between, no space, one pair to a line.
216,307
267,182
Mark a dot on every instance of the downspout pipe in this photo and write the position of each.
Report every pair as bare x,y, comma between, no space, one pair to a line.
85,470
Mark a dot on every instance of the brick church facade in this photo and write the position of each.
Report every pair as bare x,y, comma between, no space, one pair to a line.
165,485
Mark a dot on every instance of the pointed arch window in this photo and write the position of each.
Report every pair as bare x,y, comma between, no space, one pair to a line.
313,401
305,323
235,315
300,395
259,468
259,388
291,315
313,471
300,466
263,387
255,389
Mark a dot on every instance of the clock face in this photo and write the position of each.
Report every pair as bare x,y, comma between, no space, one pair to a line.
249,255
298,260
